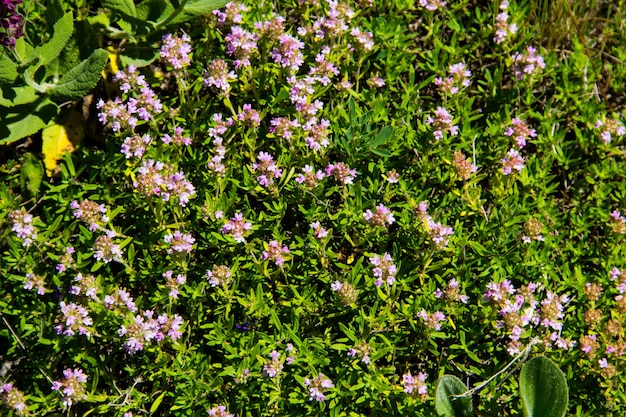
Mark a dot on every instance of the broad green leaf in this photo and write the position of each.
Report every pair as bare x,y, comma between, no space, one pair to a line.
60,138
78,81
446,404
31,175
8,69
543,389
126,7
194,8
23,50
25,120
154,10
17,96
63,29
140,55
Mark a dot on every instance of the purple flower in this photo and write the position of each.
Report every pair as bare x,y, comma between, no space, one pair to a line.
175,50
382,217
316,133
289,52
442,122
23,226
341,172
527,63
241,45
317,386
90,212
266,169
73,387
384,269
219,275
217,75
73,318
232,13
274,252
521,131
512,161
236,227
106,250
415,386
179,242
135,146
177,139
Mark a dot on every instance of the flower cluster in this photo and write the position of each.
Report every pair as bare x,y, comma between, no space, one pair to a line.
463,166
521,132
177,139
361,351
135,146
319,232
617,222
145,328
90,213
23,226
532,228
35,281
220,410
85,284
316,133
121,297
157,179
437,232
283,127
180,243
67,260
323,70
237,227
415,386
11,21
13,398
176,50
432,5
73,318
459,79
219,275
341,172
364,40
288,53
432,320
274,366
442,123
384,269
451,292
249,116
610,128
347,292
130,79
317,386
241,45
105,249
232,13
274,252
381,217
503,28
173,284
266,169
527,63
513,161
309,177
73,388
217,133
217,75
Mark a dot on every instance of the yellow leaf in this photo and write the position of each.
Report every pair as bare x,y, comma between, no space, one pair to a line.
62,135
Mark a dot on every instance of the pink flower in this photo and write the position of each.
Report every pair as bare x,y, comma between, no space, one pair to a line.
237,227
382,217
512,162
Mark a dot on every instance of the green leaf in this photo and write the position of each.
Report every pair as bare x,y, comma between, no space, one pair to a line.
31,174
154,10
155,405
63,29
543,389
8,69
194,8
449,406
16,96
381,152
25,120
78,81
382,137
126,7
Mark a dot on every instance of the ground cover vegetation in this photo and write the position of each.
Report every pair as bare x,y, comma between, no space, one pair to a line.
311,207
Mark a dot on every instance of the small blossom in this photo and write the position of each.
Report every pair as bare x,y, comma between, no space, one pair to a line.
274,252
527,63
617,222
66,261
217,75
175,50
533,228
362,351
288,53
106,250
135,146
173,284
219,411
232,14
274,366
90,213
432,5
323,70
13,398
121,297
364,40
503,28
309,177
35,282
451,292
316,133
610,128
86,284
73,318
237,227
432,320
317,386
283,127
73,388
179,242
266,169
521,132
219,275
271,30
23,226
241,45
130,79
116,115
319,232
347,293
459,79
341,172
415,386
384,269
512,161
375,81
249,116
463,166
442,123
178,138
392,177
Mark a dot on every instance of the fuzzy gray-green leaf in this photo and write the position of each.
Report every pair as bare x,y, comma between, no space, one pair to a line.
543,389
82,78
446,404
63,29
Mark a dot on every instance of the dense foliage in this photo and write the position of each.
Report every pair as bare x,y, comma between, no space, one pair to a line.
319,208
